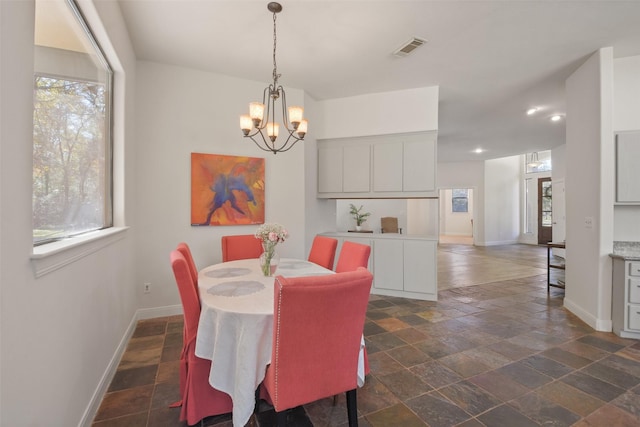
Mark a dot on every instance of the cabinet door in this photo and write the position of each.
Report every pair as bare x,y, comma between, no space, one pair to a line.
357,168
420,270
627,171
388,265
419,166
387,167
329,169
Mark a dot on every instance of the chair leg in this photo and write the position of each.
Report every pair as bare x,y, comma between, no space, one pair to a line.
352,408
281,419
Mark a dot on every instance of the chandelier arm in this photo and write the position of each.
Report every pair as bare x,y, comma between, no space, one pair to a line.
284,147
285,113
266,144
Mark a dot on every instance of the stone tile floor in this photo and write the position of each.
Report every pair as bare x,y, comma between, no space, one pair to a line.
500,353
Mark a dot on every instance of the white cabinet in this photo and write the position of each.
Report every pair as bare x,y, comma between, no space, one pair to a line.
401,266
420,274
343,168
384,166
330,161
626,298
406,268
628,168
407,165
388,271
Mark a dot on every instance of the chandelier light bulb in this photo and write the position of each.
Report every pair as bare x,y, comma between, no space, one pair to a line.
302,128
273,130
295,115
256,112
246,124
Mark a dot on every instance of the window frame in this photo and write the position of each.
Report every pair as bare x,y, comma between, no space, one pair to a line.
108,144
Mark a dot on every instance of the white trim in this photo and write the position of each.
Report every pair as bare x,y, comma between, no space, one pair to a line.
601,325
55,255
103,385
109,373
152,313
497,243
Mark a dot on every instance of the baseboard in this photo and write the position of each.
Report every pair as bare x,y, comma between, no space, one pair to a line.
152,313
109,373
601,325
497,243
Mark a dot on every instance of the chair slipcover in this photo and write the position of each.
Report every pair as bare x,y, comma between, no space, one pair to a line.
199,399
244,246
183,248
323,251
317,334
352,256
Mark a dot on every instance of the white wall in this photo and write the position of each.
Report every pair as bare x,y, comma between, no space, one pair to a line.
589,185
502,200
455,223
181,111
626,73
378,208
320,214
559,162
60,331
467,175
412,110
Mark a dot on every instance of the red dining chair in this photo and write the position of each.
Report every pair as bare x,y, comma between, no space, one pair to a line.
352,256
323,251
244,246
183,248
318,323
198,399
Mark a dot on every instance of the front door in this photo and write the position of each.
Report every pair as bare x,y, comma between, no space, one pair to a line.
545,220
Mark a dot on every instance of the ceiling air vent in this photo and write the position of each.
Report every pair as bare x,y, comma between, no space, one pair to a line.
409,46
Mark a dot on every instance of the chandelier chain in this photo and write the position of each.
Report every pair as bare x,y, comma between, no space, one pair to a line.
275,67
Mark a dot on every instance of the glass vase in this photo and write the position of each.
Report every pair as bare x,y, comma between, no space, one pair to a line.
269,259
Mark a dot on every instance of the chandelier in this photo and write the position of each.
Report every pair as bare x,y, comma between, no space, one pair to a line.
256,123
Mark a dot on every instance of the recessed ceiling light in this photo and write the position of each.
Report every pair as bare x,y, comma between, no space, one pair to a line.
532,111
556,118
478,150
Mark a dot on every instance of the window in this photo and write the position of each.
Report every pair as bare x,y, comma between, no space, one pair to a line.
71,126
537,162
528,206
460,200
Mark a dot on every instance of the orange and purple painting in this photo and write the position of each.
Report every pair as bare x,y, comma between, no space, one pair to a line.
226,190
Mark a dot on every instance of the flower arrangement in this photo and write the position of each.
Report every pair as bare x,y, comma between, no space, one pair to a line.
357,214
270,235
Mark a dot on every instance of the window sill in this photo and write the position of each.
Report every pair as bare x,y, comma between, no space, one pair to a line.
52,256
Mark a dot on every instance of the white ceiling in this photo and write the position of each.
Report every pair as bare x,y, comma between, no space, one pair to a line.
492,60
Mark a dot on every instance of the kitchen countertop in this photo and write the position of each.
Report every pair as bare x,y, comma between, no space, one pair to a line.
379,235
629,251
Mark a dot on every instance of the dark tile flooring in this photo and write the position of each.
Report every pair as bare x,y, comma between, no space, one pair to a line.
502,353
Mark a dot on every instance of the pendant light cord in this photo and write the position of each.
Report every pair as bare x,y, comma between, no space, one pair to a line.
275,68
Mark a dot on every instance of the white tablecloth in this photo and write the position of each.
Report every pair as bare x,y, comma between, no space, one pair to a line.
236,326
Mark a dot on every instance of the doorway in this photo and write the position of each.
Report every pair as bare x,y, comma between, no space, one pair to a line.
545,217
456,216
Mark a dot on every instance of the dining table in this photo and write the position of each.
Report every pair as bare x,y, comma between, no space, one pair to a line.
235,330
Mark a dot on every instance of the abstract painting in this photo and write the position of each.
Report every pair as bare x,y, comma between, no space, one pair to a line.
226,190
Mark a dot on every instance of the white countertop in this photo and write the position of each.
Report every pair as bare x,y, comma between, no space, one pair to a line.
379,235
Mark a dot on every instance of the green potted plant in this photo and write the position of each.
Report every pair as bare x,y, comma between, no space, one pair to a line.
358,215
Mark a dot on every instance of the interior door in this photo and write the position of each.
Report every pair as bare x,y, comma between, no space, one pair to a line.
545,220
